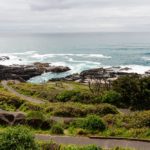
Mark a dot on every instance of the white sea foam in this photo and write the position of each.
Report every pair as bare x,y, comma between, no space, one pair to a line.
137,68
76,55
146,58
83,61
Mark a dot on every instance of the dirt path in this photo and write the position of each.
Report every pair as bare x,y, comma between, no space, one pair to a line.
104,143
10,89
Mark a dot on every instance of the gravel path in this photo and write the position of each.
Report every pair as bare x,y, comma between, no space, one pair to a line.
104,143
10,89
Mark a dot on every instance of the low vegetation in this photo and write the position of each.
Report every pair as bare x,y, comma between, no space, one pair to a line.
126,92
89,114
17,138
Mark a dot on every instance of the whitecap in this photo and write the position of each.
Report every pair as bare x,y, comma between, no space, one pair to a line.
146,58
136,68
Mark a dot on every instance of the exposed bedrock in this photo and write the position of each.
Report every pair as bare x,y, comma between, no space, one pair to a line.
25,72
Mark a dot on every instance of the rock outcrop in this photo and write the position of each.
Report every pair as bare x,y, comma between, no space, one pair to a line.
11,118
3,58
25,72
103,73
147,72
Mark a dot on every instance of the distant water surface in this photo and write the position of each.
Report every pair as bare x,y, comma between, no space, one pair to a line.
79,51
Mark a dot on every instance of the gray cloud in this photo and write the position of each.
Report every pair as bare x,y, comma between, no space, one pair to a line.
74,15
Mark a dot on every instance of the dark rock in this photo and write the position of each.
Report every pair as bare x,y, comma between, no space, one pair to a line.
57,69
97,73
147,72
125,69
3,58
111,73
10,118
25,72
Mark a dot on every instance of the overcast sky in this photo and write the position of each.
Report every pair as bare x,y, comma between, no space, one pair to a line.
74,16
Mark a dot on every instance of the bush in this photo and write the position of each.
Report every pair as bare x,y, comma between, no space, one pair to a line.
49,146
80,110
138,119
74,96
30,107
73,147
91,122
112,97
137,133
37,119
57,129
9,101
134,90
17,138
114,120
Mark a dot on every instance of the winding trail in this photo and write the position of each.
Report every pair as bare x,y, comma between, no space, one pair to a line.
10,89
104,143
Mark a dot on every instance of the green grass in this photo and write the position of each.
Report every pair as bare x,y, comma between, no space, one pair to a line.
48,91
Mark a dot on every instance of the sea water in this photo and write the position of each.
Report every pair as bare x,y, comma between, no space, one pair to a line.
79,51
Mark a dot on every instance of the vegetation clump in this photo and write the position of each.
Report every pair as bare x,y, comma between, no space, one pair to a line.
57,129
17,138
134,90
80,110
91,122
38,120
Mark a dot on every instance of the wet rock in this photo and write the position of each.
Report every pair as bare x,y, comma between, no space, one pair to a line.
125,69
57,69
25,72
109,74
3,58
147,72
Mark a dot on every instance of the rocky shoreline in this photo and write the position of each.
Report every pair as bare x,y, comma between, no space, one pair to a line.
99,73
25,72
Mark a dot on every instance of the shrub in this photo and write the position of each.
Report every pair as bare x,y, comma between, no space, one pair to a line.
30,107
8,100
134,90
49,146
37,119
17,138
75,96
138,119
137,133
81,132
80,110
91,122
67,95
73,147
57,129
114,120
112,97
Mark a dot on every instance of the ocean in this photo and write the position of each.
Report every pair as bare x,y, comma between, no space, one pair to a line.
79,51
